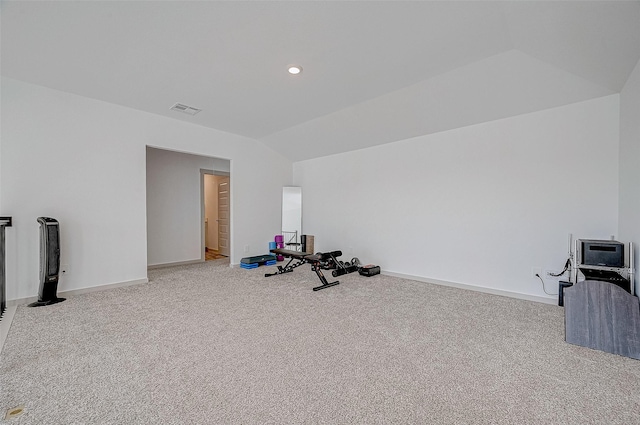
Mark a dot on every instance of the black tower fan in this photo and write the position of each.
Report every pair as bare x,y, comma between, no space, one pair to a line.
49,262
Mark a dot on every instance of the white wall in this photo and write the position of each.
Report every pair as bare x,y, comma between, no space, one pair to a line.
630,164
174,231
82,161
479,205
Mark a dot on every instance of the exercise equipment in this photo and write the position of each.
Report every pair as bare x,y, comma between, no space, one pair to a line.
49,262
369,270
342,267
296,259
307,243
258,260
318,261
279,239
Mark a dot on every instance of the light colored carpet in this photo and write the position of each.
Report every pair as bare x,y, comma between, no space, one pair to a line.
208,344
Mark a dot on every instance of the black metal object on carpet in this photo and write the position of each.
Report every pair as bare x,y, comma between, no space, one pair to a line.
4,222
369,270
318,261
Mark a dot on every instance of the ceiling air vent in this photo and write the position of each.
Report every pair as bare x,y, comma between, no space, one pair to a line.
186,109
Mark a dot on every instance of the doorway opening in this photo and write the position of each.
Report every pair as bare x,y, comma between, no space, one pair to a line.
175,207
215,214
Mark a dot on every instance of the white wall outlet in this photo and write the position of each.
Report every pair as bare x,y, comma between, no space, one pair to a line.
536,271
64,269
246,249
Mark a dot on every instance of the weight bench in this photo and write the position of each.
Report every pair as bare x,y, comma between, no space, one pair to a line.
318,262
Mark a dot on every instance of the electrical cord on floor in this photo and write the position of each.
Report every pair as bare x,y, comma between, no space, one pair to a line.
543,288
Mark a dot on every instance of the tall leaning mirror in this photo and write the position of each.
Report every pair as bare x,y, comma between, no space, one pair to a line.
292,216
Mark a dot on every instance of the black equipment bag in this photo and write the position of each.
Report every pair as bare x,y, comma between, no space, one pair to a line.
369,270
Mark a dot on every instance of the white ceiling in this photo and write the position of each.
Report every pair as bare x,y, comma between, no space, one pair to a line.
374,72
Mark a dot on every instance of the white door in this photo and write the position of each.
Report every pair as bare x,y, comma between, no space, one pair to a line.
223,215
211,212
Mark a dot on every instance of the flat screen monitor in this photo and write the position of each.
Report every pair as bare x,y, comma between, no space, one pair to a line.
602,253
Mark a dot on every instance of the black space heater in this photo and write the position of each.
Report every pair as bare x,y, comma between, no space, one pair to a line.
49,262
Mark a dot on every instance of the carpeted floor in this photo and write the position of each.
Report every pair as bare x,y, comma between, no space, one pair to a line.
210,344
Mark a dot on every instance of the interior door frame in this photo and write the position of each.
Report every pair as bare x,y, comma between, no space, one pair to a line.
203,172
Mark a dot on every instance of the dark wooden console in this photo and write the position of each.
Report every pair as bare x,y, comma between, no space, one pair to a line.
602,316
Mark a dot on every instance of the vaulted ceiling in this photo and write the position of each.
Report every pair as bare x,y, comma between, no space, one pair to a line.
373,72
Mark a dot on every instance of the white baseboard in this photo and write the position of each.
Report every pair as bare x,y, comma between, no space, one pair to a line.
177,263
63,294
105,287
492,291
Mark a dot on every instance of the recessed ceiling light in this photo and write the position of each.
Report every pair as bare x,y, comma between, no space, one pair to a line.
294,69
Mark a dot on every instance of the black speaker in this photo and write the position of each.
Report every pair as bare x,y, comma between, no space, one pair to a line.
49,262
